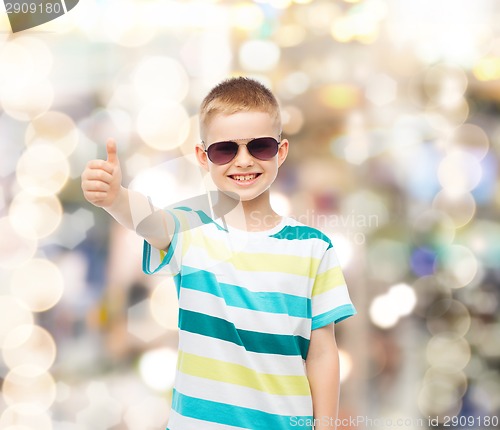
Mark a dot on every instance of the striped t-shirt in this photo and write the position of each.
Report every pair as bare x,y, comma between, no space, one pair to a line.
247,304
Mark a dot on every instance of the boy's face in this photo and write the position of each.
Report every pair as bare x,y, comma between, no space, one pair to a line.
245,175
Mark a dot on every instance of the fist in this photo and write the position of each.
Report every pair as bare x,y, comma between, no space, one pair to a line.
101,179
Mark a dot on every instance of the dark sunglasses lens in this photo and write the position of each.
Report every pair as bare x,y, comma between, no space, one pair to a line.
263,148
222,152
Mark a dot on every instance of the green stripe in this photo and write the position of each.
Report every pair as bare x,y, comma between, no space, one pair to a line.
239,297
237,416
302,232
219,328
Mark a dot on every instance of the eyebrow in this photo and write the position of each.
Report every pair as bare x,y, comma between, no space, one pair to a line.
243,138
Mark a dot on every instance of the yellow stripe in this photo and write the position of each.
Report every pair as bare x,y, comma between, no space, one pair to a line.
222,371
186,241
258,262
328,281
262,262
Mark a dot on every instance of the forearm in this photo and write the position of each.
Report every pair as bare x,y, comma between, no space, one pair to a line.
322,366
135,211
323,375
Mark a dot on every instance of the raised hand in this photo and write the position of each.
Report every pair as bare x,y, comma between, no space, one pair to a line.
101,179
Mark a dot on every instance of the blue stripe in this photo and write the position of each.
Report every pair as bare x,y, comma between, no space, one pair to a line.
336,315
237,416
240,297
219,328
302,232
146,252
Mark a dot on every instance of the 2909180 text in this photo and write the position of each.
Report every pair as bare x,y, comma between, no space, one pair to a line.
32,8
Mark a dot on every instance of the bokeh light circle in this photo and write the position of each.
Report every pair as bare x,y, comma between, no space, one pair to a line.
15,249
53,128
448,351
42,170
446,120
471,139
441,393
455,378
35,217
193,138
128,23
160,78
449,317
40,55
39,283
163,125
17,65
25,416
157,368
247,16
433,228
259,55
29,384
459,266
164,305
444,84
293,120
14,314
460,207
29,345
458,172
28,102
387,260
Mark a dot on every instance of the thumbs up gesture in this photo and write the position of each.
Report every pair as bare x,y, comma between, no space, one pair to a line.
101,179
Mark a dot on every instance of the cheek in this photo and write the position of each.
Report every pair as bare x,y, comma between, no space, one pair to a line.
272,167
216,172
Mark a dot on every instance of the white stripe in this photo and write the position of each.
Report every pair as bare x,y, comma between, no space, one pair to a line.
237,395
179,422
217,349
245,319
64,6
313,248
287,283
329,300
254,281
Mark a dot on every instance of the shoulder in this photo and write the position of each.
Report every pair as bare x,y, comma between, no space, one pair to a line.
190,218
296,231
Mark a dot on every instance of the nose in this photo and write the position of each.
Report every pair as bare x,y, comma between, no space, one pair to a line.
243,157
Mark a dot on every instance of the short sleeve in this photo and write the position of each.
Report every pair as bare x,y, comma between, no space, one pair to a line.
167,262
330,297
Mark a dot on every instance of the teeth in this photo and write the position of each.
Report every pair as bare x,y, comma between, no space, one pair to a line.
244,177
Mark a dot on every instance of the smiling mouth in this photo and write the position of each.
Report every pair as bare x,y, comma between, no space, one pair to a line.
245,178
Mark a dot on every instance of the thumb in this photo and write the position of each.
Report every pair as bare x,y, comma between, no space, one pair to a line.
111,151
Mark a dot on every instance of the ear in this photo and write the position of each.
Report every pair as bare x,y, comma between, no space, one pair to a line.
201,156
282,152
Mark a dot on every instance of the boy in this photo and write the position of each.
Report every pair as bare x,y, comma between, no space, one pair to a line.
258,293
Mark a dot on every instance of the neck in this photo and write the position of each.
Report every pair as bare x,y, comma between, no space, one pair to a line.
252,215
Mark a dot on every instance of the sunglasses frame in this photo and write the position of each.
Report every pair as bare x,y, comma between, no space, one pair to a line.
250,140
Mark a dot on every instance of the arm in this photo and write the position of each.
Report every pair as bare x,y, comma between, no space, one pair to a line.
101,185
322,365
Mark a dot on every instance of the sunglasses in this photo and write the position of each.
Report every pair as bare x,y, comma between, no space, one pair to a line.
262,148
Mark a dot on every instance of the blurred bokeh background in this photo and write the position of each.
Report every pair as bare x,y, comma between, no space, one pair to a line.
392,110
